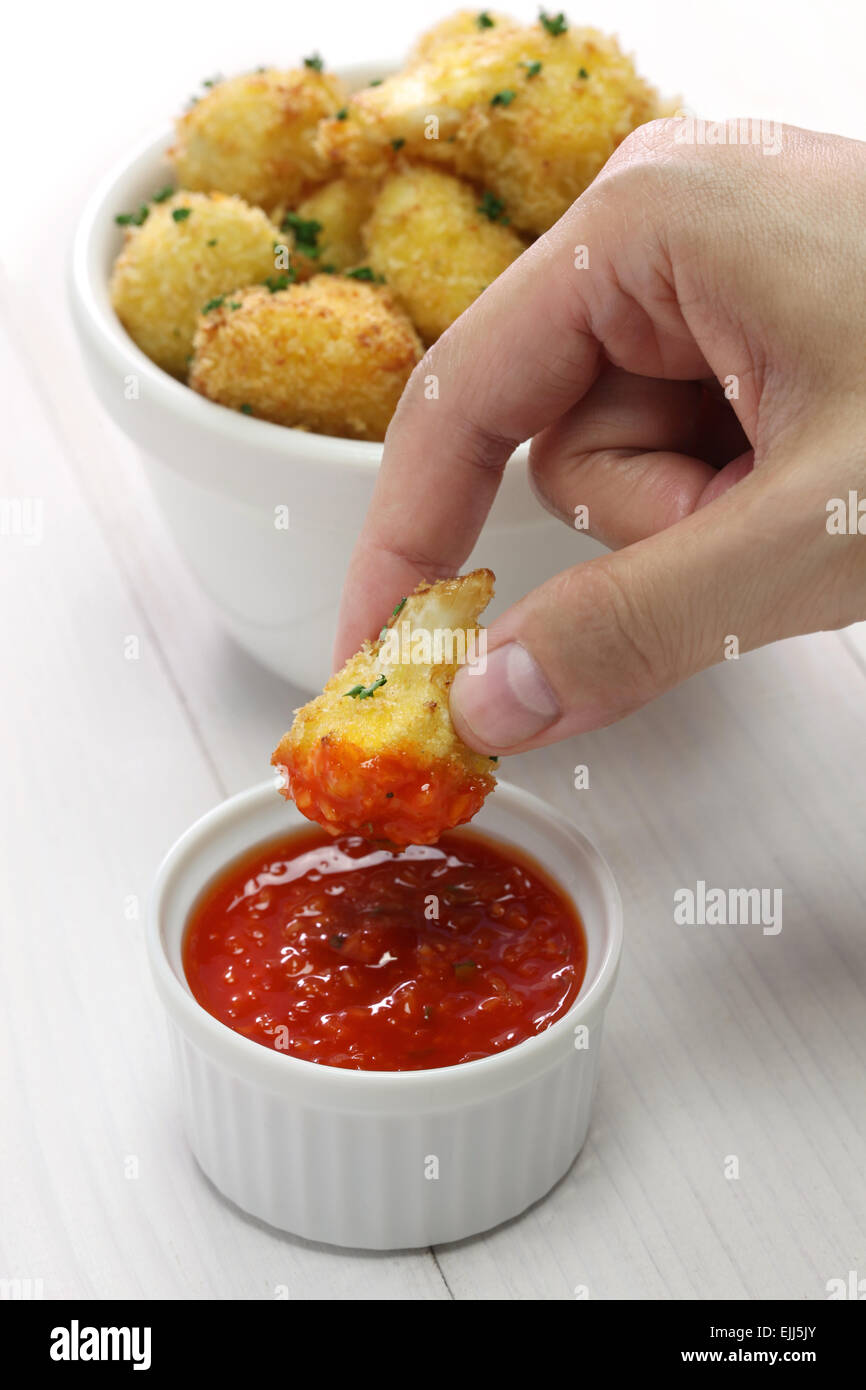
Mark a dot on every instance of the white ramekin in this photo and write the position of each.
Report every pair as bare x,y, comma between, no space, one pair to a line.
219,475
384,1160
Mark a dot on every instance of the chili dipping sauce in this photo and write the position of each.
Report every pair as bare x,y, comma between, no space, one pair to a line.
352,955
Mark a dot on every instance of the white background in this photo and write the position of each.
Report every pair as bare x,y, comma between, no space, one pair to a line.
717,1043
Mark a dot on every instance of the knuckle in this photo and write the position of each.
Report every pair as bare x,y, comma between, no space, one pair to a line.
630,657
479,446
655,165
645,147
546,477
472,441
639,633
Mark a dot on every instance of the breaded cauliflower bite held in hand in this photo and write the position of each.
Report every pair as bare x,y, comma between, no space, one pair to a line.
437,249
530,113
376,753
190,249
331,355
254,135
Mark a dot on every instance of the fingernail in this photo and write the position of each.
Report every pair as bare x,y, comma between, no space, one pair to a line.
510,702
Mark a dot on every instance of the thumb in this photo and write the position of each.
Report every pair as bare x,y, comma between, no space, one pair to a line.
602,639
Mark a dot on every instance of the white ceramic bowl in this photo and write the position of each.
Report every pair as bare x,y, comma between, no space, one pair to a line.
345,1156
218,475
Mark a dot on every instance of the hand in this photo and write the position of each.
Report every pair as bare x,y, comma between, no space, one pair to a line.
708,265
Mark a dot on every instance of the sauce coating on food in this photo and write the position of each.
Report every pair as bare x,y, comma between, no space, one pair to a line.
352,955
390,796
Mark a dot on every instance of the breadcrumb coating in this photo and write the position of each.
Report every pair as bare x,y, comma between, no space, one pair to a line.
340,208
331,355
529,115
463,24
436,249
432,180
172,265
254,135
376,753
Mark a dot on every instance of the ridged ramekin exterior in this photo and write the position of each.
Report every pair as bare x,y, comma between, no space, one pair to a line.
384,1181
386,1160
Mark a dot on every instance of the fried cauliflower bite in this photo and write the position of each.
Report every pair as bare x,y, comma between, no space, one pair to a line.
325,229
331,355
528,114
436,249
463,24
190,249
254,135
376,753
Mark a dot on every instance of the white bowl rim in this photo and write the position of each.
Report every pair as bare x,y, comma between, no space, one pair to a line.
277,1069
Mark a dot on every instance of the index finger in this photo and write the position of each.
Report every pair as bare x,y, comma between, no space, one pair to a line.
513,362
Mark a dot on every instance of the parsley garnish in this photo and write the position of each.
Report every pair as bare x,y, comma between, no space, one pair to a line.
504,98
532,69
492,207
484,21
554,24
336,940
213,241
214,304
377,81
246,409
398,143
306,232
281,281
428,1012
400,606
213,81
234,304
342,114
133,219
180,214
388,795
363,272
163,193
582,72
364,692
315,61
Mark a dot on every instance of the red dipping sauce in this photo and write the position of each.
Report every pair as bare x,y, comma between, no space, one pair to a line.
344,953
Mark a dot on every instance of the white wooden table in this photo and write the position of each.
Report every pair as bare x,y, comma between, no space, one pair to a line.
720,1042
